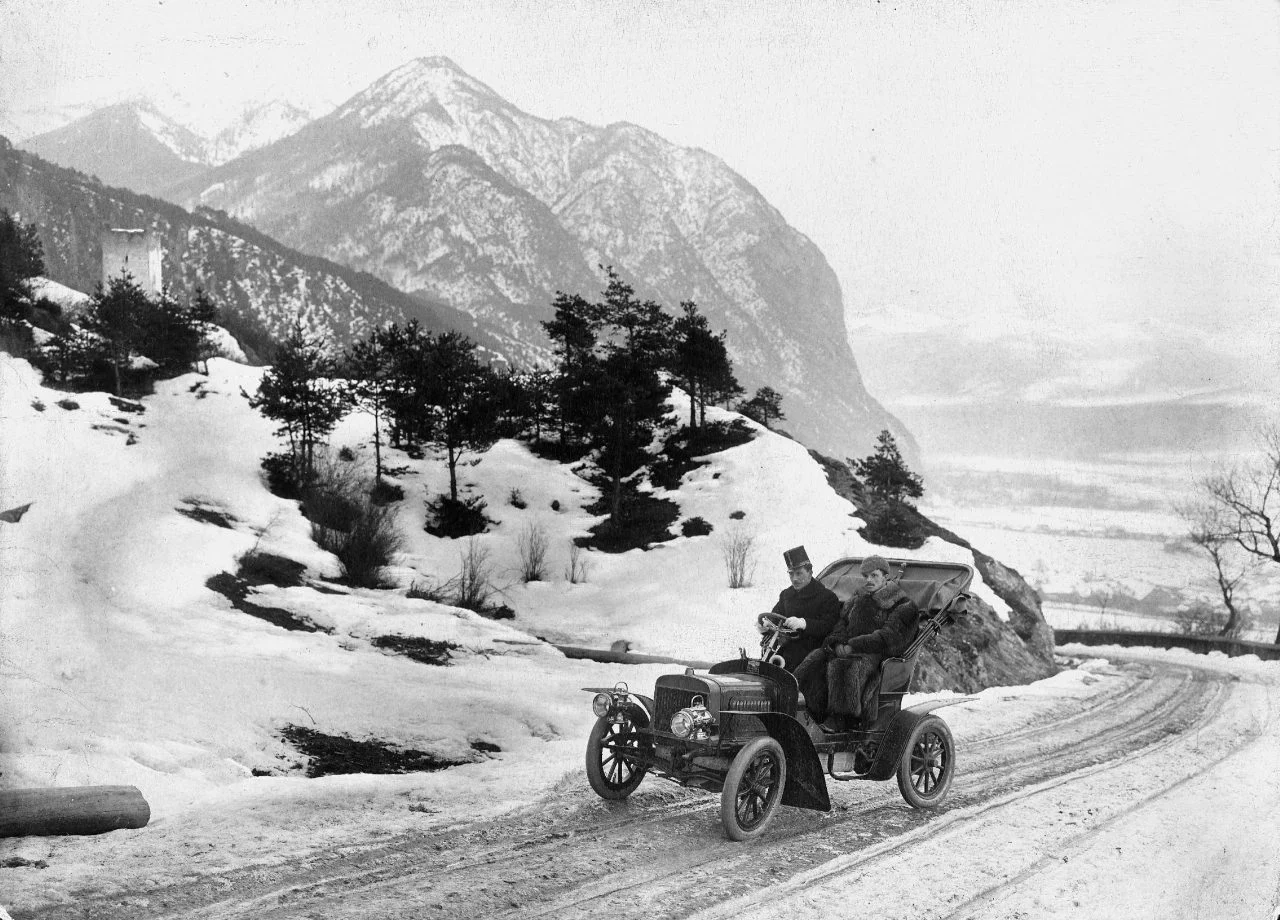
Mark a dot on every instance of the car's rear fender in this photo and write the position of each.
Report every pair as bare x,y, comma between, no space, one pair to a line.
806,782
899,730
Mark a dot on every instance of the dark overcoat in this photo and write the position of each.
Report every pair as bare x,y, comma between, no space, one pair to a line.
872,627
819,607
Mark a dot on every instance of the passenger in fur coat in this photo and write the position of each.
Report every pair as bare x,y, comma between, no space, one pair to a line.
879,622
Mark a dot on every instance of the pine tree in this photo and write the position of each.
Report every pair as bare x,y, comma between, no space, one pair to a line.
119,316
171,335
885,473
766,404
72,355
533,393
700,362
459,389
301,392
575,330
629,391
21,257
370,372
204,314
410,349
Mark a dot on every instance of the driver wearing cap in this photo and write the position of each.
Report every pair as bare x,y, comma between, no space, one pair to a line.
810,608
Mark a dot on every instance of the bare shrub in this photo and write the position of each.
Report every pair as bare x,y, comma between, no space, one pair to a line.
474,588
579,565
1199,619
332,497
532,543
346,521
365,549
428,591
470,589
738,548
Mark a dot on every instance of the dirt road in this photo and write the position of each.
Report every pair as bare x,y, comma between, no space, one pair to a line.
1026,798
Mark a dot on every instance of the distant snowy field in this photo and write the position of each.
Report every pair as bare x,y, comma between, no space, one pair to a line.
1093,529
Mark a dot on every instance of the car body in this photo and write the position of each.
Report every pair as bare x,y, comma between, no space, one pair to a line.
740,727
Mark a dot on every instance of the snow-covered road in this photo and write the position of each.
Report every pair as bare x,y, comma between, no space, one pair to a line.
1066,807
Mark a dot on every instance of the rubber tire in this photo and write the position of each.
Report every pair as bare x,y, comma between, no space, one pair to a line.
597,774
933,751
749,760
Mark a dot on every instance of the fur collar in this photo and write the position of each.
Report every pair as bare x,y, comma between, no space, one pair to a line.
888,596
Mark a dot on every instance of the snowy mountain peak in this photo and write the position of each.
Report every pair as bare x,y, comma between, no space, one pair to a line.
429,84
259,125
430,181
130,144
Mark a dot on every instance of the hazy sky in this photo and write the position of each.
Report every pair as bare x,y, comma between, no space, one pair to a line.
1037,161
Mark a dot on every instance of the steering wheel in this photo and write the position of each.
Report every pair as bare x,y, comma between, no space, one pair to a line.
774,621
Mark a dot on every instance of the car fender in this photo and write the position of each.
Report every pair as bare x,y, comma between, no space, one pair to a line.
806,782
899,730
647,702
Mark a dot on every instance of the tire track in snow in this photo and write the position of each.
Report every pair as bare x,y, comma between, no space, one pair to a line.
582,857
805,845
982,848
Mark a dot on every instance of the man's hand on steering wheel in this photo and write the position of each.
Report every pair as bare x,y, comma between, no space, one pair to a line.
767,622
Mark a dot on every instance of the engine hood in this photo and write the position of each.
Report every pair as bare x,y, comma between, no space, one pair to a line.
721,692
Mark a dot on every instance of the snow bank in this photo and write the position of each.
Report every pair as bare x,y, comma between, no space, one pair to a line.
122,666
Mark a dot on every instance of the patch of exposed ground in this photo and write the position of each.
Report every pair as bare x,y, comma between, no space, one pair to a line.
428,651
330,755
207,513
236,590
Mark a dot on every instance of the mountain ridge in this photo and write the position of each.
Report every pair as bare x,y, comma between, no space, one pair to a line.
539,208
136,144
262,285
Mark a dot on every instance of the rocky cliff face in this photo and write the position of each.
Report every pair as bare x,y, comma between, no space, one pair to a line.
260,285
431,181
980,649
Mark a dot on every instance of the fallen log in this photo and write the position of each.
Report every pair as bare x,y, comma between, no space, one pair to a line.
71,810
610,656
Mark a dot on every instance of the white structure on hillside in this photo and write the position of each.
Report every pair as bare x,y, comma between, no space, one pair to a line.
136,252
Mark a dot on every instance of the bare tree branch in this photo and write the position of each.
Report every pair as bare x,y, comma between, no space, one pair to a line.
1242,507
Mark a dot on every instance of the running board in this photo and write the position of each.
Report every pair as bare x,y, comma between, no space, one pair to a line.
844,777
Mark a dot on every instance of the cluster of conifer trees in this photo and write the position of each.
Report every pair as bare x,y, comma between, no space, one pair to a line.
616,360
99,348
121,324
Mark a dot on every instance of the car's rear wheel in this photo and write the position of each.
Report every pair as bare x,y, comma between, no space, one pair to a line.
753,788
927,764
611,773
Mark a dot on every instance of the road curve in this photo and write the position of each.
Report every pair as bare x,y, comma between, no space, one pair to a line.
662,853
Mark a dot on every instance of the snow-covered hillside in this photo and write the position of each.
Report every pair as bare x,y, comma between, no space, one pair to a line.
119,666
155,680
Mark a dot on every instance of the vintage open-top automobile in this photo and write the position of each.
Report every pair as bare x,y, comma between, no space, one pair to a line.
740,727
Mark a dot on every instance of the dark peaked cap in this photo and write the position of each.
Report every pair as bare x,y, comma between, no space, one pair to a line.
796,557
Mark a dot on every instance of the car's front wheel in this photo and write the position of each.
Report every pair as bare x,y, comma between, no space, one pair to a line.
928,763
611,773
752,789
